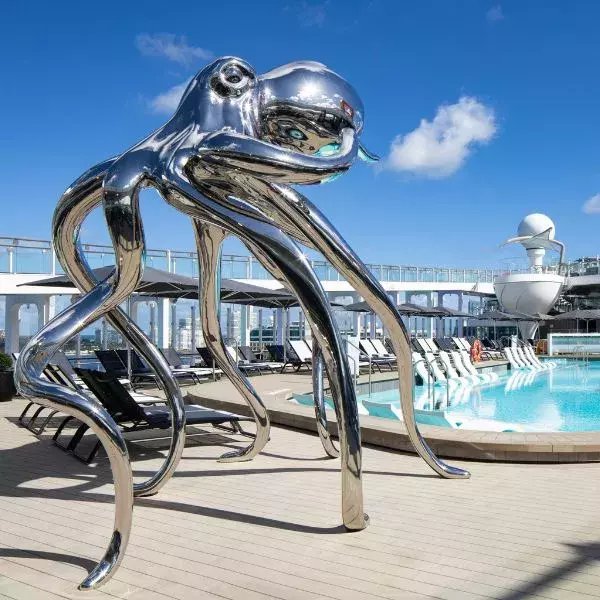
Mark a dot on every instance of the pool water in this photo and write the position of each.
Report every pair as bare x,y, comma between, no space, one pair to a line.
566,398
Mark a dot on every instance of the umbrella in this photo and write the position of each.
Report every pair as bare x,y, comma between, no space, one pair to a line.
586,315
162,284
154,281
451,312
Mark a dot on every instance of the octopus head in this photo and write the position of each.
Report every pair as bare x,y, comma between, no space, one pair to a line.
304,106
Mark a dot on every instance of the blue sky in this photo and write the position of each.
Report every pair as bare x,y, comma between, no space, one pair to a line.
483,112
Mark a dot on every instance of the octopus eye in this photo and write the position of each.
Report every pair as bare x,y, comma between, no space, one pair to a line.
296,134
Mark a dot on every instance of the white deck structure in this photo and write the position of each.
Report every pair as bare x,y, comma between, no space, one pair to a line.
24,260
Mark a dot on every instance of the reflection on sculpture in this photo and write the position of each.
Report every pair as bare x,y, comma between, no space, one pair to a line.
226,159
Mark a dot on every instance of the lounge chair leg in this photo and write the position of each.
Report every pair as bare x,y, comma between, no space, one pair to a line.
44,424
22,416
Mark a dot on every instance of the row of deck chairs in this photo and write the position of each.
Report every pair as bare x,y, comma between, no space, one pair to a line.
522,356
114,363
447,360
132,411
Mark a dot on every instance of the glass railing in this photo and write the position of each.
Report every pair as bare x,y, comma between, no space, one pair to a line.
23,255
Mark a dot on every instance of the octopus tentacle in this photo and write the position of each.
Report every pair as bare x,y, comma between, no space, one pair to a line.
79,200
32,360
319,401
313,224
208,241
284,259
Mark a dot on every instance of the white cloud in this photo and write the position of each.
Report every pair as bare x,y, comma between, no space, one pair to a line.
168,45
495,14
592,205
440,147
167,102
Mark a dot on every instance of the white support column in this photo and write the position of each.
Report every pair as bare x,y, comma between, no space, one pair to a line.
279,326
11,324
461,321
439,330
372,326
193,332
173,339
153,325
429,296
164,322
245,326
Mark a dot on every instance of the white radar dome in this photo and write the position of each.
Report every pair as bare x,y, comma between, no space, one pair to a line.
535,224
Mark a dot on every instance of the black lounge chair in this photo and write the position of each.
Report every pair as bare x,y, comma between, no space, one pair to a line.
208,360
135,416
250,357
59,371
289,358
172,357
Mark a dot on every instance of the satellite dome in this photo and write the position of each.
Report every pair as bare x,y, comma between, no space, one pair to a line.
535,224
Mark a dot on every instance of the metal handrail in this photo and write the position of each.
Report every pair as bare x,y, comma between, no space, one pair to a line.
357,366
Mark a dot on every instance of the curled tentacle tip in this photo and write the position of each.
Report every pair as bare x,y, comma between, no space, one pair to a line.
456,473
235,456
367,156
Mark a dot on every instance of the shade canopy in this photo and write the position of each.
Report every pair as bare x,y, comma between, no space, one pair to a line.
589,314
407,309
451,312
159,283
499,315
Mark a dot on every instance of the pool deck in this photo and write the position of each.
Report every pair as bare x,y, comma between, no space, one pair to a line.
275,390
269,529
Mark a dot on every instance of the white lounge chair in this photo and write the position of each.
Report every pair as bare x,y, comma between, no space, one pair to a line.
382,350
433,347
451,372
369,350
487,377
511,359
420,367
462,369
300,347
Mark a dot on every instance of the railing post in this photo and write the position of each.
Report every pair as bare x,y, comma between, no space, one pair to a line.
11,259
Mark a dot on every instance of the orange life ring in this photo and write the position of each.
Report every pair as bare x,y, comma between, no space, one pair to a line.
476,351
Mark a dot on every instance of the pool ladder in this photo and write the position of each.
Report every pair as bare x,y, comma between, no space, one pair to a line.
431,380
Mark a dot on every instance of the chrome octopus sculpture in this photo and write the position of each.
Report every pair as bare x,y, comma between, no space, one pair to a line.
226,158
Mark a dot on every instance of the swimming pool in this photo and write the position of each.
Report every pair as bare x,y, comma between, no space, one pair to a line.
566,398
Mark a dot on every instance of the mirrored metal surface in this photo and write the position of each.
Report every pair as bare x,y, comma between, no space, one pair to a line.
234,134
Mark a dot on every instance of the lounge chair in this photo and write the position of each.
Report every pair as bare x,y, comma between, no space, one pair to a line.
529,351
367,348
176,364
486,377
433,347
141,371
462,369
134,416
243,365
302,350
421,367
250,357
491,349
451,372
287,359
422,345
